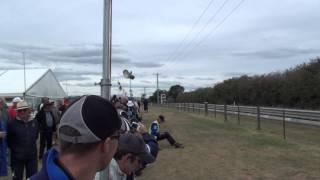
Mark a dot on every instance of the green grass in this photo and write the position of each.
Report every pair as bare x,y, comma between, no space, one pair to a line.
215,149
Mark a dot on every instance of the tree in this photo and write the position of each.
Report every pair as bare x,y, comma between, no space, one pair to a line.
153,98
297,87
174,91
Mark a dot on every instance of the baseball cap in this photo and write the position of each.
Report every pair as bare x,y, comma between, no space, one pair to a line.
22,105
130,104
134,144
93,117
16,99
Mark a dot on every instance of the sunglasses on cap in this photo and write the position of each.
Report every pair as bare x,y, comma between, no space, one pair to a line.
22,110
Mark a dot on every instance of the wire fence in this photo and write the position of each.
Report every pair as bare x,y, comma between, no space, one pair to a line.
285,115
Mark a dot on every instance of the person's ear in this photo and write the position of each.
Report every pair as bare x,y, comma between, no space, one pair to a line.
105,145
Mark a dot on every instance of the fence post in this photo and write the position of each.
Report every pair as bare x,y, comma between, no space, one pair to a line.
238,115
258,118
284,123
193,107
225,113
206,108
199,108
215,110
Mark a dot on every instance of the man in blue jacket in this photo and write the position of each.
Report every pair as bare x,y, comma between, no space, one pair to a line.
155,131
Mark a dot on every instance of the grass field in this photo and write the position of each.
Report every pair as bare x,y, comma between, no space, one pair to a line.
215,149
220,150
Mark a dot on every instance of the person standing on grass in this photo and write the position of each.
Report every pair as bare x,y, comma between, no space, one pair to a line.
22,135
145,105
47,126
12,109
4,117
155,131
88,136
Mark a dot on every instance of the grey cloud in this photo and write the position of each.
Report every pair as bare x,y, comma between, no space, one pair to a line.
147,64
24,47
235,74
85,53
120,60
68,75
65,77
4,68
204,78
180,77
85,84
145,81
277,53
90,54
76,53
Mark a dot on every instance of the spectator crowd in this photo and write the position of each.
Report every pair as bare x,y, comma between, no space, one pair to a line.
66,136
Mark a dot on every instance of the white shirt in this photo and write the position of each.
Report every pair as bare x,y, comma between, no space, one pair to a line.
114,172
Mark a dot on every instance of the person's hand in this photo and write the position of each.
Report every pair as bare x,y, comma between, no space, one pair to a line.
3,134
141,128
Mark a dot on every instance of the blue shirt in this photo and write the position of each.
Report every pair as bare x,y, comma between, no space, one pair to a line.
154,128
51,169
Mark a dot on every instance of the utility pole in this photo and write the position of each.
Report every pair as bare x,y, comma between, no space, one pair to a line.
131,95
24,71
106,69
157,88
107,32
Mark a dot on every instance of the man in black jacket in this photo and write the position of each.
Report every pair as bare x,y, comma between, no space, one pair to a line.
47,126
22,135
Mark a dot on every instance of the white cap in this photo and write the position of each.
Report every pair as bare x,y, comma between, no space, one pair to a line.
16,99
130,104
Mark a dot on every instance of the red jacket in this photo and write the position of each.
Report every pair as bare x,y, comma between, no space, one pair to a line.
12,112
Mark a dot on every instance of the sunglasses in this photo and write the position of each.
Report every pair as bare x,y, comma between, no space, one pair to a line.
22,110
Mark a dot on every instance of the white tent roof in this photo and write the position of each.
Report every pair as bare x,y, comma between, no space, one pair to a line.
39,83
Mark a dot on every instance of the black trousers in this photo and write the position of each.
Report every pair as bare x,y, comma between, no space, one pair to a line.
45,141
166,135
17,167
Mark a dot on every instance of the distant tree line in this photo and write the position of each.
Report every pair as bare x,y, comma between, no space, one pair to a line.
298,87
171,95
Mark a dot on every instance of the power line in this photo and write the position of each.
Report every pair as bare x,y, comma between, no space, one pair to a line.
208,34
201,30
192,28
215,28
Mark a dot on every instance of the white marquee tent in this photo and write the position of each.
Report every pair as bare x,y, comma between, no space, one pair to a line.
39,83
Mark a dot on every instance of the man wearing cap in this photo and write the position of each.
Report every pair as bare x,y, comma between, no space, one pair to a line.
130,156
47,126
22,136
12,109
88,135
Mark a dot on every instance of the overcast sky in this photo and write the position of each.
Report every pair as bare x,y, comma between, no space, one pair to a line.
194,43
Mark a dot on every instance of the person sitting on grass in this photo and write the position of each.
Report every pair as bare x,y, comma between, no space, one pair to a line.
155,131
130,157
